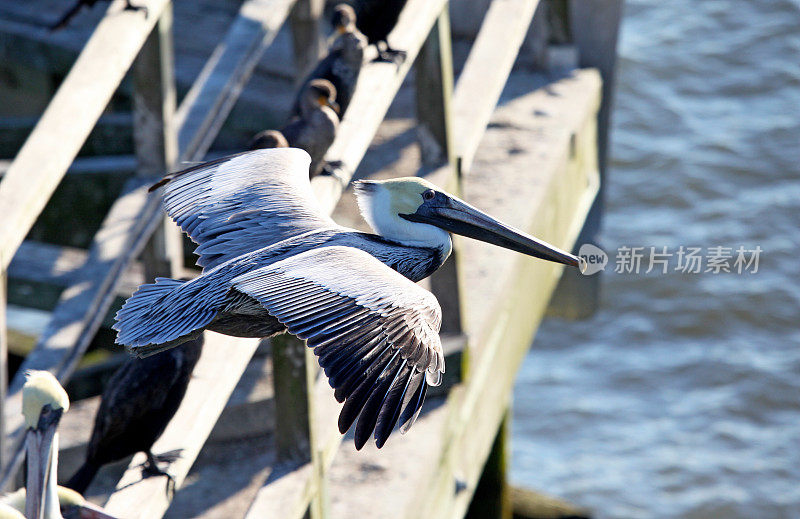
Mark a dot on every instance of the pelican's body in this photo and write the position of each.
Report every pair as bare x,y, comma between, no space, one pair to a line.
274,263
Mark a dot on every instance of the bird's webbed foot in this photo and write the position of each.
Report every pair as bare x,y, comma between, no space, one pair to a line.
151,469
390,55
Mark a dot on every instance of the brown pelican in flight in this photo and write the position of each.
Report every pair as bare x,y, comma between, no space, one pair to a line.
43,403
273,262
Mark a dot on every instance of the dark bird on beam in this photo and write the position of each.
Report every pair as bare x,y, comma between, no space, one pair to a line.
139,401
315,128
376,19
273,262
342,65
268,139
80,4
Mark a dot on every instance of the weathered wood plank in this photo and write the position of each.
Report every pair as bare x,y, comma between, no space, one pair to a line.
205,399
307,41
492,498
291,487
433,80
292,417
70,116
485,73
594,27
211,98
108,164
61,266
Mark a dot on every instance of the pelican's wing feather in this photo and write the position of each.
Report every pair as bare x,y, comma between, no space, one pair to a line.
237,204
375,332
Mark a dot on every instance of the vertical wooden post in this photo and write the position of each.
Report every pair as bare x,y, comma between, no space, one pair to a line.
594,28
492,498
434,89
294,372
594,25
3,364
155,136
292,427
306,35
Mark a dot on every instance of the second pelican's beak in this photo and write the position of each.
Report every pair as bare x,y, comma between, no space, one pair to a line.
458,217
39,449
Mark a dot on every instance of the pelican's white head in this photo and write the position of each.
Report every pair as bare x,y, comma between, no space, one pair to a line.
383,201
43,403
415,212
41,389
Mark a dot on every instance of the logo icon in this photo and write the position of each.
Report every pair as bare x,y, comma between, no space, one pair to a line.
595,257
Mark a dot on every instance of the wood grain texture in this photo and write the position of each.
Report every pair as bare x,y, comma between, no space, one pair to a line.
211,98
70,116
486,70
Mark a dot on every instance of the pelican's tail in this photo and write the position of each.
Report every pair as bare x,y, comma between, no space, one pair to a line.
167,313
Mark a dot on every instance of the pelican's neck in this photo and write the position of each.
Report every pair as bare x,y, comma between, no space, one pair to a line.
52,509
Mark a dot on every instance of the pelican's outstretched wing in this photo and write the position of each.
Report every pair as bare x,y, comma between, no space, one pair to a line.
244,202
375,332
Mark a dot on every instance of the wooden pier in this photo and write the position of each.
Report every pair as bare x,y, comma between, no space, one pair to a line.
537,167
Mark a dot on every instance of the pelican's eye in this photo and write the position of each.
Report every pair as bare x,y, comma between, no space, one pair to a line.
429,194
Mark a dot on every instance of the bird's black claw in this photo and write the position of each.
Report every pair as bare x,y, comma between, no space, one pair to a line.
398,57
151,469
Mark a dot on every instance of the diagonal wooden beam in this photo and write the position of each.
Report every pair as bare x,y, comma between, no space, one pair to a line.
47,153
134,217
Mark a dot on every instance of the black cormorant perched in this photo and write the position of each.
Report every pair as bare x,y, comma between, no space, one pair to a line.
376,19
268,139
315,128
140,399
342,65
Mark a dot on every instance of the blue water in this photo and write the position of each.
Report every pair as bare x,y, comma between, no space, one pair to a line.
681,396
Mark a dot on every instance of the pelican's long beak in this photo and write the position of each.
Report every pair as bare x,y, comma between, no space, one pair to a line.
39,450
458,217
